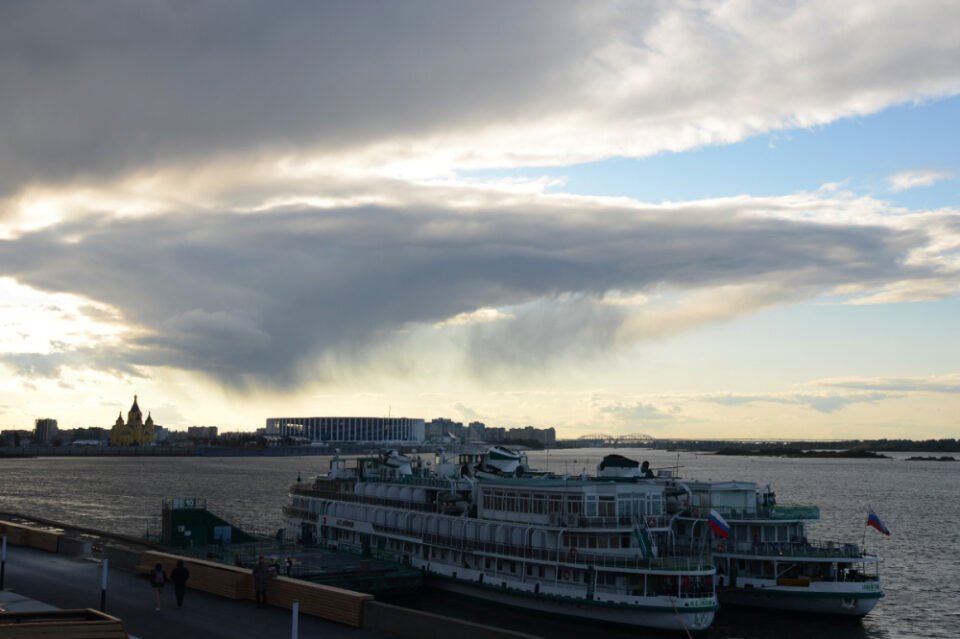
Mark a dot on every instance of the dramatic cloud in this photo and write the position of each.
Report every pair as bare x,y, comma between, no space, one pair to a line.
94,89
275,197
264,297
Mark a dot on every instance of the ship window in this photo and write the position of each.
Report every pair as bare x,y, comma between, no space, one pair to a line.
555,504
523,501
510,502
591,506
607,507
574,504
539,503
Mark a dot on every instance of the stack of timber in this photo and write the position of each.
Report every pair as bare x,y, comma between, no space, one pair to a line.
61,624
318,600
32,537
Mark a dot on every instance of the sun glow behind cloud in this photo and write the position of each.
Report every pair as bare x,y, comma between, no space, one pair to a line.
321,230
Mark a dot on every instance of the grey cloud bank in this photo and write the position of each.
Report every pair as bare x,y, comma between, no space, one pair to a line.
261,298
100,88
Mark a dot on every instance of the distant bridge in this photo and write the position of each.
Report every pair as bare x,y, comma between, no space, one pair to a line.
600,439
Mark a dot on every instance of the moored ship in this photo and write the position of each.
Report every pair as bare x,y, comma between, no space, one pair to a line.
761,549
486,525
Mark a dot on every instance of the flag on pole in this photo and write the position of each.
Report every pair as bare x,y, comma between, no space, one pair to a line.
719,524
873,520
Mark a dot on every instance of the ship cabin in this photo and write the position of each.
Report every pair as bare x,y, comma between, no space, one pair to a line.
594,516
756,521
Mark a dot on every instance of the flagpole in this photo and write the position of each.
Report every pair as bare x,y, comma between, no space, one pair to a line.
863,543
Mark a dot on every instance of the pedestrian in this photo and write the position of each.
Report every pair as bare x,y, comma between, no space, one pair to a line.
261,574
179,576
289,565
157,579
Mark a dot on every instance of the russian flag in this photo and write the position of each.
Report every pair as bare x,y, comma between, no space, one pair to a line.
873,520
719,524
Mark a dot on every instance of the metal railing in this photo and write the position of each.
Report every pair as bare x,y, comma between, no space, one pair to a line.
814,549
573,558
761,513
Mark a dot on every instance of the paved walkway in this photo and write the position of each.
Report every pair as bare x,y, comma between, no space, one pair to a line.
34,576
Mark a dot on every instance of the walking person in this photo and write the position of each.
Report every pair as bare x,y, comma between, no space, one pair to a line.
179,576
157,579
261,574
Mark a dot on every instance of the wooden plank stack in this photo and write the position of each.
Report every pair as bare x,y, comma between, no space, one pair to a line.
21,535
318,600
61,624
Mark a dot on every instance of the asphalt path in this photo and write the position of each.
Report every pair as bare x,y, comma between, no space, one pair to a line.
66,582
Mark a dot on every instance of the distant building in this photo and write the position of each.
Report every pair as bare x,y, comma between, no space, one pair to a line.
135,432
44,431
348,429
202,432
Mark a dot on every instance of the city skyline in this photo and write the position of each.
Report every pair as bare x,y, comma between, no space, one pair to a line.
719,220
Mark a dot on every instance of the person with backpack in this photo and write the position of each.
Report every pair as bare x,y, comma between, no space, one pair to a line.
179,576
157,579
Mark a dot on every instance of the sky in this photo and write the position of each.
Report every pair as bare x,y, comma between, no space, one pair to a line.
727,219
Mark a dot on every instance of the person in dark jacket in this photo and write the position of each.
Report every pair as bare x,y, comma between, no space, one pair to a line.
261,573
157,579
179,576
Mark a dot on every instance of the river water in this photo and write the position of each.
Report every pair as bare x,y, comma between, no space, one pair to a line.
918,501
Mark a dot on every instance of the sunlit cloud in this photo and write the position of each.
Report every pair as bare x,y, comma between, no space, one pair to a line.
912,179
474,317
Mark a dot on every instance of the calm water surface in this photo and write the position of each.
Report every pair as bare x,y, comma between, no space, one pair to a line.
917,500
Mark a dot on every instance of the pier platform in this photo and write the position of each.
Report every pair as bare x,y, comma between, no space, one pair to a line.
38,580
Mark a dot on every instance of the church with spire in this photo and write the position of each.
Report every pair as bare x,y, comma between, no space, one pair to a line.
135,432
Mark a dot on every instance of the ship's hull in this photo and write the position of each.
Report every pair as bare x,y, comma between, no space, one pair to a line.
843,603
659,615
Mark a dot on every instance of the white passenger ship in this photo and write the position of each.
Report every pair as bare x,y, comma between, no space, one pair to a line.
485,525
767,559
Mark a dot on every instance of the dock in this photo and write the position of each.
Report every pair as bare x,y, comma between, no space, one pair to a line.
44,572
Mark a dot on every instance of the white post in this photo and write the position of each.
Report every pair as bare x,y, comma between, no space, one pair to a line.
103,586
294,628
3,559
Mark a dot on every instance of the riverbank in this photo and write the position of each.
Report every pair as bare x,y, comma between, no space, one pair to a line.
824,454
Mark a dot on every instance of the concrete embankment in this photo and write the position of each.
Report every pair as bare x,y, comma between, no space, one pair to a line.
60,570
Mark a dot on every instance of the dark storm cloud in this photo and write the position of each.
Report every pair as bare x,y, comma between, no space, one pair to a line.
258,298
100,88
93,87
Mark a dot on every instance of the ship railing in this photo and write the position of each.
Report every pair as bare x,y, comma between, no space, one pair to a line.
578,559
300,513
184,503
604,522
365,499
815,548
411,480
760,513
